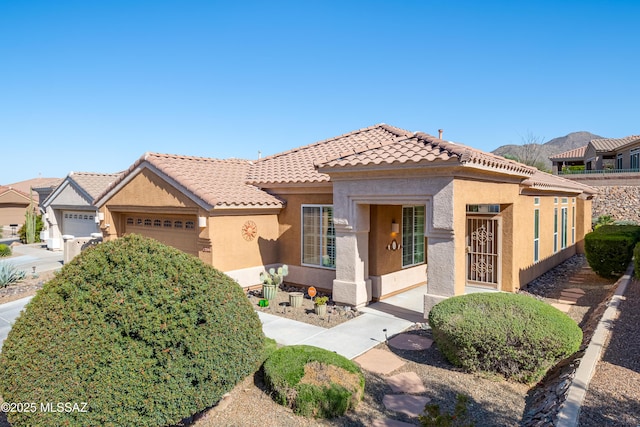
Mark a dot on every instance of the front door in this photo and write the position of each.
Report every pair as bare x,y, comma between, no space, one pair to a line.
483,251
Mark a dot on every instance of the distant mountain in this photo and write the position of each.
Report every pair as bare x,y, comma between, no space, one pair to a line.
542,152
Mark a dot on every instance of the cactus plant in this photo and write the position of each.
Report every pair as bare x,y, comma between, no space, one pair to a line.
273,276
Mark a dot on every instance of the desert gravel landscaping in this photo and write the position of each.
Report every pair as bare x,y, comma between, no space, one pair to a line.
613,399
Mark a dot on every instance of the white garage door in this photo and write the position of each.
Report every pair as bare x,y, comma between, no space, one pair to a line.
179,231
79,224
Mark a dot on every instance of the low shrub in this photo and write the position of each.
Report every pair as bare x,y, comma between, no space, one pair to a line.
9,274
609,249
143,333
5,250
313,381
513,335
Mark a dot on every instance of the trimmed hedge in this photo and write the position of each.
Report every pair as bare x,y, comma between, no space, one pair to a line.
514,335
313,381
609,249
143,333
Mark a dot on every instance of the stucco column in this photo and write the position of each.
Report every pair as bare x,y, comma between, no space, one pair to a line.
352,285
441,262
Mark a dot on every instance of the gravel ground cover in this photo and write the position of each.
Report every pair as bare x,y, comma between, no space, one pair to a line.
493,401
336,314
613,398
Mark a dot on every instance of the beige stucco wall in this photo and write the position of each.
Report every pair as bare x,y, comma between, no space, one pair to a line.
290,220
517,224
477,192
231,251
13,207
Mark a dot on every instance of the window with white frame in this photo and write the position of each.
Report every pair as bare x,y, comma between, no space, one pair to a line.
555,230
563,228
536,235
412,235
318,236
573,225
619,161
635,159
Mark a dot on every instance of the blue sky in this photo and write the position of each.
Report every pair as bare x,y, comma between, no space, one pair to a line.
91,86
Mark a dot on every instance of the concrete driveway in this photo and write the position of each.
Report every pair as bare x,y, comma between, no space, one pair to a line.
25,257
9,312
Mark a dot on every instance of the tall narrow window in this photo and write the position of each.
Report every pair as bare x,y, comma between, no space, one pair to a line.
555,230
635,159
619,161
563,228
573,225
318,236
536,235
412,235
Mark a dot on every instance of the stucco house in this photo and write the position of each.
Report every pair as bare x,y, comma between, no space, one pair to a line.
69,209
15,198
364,215
603,155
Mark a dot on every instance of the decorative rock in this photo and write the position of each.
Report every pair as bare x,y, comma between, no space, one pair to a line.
412,406
406,382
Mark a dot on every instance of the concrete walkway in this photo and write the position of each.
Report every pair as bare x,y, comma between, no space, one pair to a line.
25,257
350,339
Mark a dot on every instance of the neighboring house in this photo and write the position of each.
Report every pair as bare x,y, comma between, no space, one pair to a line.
605,155
69,209
15,198
361,215
13,206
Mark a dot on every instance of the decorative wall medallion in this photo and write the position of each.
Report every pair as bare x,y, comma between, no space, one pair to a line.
249,231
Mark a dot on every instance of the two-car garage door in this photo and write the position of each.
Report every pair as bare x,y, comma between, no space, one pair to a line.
179,231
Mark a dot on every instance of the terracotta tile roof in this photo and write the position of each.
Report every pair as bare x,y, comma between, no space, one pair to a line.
373,145
298,165
216,182
545,181
423,148
6,188
610,144
93,183
576,153
25,186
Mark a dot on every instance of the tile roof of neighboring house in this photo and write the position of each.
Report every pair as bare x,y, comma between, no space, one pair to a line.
610,144
93,183
216,182
373,145
576,153
421,148
298,165
545,181
5,188
25,186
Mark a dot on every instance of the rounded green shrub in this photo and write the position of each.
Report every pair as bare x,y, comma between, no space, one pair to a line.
143,333
513,335
313,381
4,250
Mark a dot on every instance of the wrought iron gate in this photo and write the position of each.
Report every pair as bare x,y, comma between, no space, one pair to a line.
483,251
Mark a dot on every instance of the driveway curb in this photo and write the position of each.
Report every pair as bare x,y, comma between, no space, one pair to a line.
569,413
